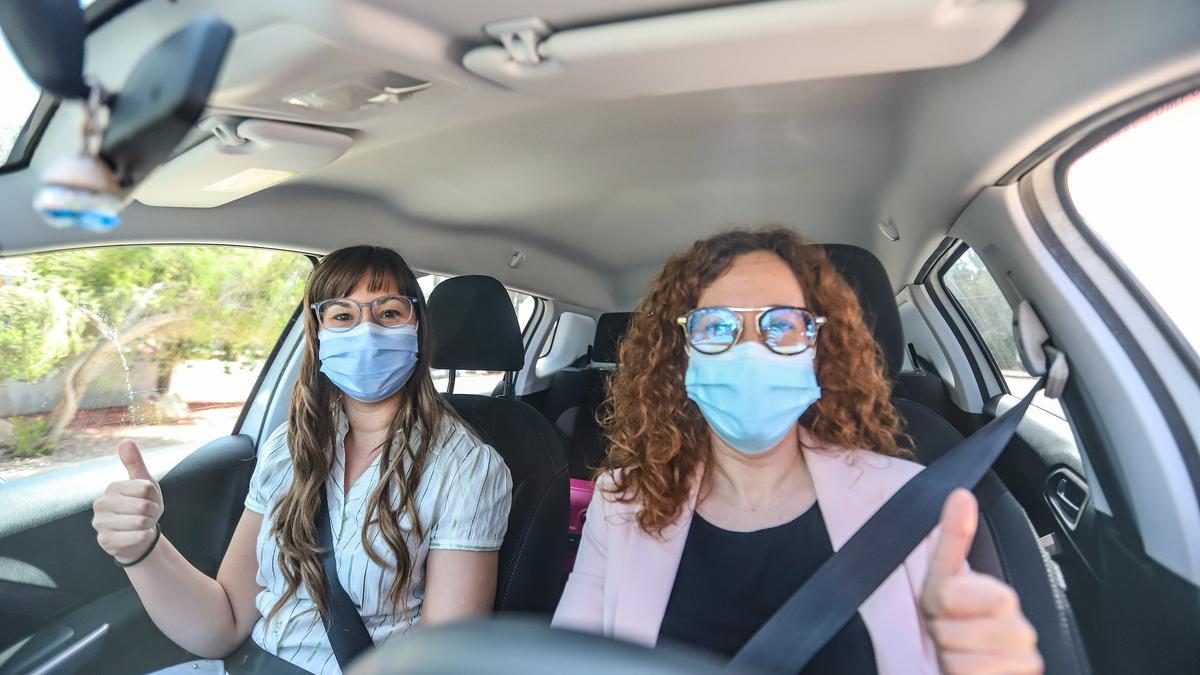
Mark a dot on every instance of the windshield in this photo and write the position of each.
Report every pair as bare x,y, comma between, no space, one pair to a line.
20,96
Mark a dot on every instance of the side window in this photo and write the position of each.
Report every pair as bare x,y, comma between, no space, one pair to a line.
1136,192
160,344
478,381
981,300
572,336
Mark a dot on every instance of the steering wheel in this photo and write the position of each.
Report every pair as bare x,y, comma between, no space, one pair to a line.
527,646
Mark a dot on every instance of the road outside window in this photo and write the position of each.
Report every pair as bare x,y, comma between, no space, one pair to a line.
160,344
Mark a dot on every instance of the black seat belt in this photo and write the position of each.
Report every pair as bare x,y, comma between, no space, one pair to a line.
347,634
832,595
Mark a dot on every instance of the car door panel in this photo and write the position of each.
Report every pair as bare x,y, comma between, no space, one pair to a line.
28,605
1043,444
1042,452
60,587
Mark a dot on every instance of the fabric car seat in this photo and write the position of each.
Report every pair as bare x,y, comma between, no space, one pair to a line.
475,327
1006,543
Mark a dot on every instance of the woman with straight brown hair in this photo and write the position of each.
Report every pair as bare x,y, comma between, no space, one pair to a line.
418,506
745,451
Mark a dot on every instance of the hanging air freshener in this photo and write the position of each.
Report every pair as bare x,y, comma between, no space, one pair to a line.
81,191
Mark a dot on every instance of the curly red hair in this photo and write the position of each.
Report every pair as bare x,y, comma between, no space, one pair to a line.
659,438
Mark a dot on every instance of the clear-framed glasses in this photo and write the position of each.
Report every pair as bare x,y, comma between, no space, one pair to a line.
784,330
342,314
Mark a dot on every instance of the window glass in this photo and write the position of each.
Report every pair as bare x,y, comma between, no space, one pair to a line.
477,381
159,344
988,311
20,96
1137,192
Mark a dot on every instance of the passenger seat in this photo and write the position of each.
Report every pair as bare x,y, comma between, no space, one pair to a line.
475,328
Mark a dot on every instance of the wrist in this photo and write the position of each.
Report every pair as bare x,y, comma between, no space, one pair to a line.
144,555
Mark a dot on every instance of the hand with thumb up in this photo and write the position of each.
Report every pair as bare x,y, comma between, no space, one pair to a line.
126,516
974,619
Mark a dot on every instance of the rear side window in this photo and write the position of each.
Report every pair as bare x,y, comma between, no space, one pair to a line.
1137,194
159,344
985,307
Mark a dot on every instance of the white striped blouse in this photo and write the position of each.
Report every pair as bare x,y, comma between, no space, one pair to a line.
463,503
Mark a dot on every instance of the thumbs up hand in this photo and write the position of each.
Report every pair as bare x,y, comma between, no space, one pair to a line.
974,619
125,517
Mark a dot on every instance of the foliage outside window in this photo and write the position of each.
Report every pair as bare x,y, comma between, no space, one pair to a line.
161,344
987,309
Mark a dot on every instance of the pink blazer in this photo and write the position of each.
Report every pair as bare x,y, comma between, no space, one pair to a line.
623,577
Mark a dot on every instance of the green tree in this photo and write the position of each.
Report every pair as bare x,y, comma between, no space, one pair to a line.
178,302
975,289
32,325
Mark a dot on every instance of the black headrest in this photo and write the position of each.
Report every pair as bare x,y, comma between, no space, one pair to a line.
870,281
610,328
474,325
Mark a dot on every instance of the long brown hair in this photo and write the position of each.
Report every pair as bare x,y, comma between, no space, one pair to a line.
311,429
659,438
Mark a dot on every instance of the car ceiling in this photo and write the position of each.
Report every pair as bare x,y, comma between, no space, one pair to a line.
598,193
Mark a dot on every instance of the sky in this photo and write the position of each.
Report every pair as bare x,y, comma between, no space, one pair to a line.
1139,191
17,98
17,95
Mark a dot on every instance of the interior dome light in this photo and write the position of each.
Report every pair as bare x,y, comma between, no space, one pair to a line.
370,91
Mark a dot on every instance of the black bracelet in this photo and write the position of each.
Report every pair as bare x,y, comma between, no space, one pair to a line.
157,534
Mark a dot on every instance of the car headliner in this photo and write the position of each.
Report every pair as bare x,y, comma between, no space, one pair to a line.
597,193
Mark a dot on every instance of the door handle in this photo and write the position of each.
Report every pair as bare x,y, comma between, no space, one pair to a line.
57,651
1067,495
1064,498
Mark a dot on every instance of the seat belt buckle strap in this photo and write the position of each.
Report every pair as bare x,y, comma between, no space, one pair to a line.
348,635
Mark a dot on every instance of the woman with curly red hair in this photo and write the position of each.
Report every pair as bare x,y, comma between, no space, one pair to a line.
745,451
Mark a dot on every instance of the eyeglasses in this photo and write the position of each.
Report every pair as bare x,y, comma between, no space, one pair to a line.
342,314
784,330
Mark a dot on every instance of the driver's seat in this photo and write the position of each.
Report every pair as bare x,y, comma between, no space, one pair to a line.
475,328
1006,545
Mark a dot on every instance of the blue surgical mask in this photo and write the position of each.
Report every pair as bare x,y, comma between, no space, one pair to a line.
369,362
751,396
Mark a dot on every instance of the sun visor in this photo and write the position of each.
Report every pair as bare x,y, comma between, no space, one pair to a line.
238,161
740,45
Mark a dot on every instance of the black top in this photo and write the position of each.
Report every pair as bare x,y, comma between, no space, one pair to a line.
730,583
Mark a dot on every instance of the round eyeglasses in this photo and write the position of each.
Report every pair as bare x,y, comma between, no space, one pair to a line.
342,314
783,330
